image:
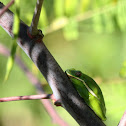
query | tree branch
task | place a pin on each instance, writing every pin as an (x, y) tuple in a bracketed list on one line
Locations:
[(60, 84), (34, 81)]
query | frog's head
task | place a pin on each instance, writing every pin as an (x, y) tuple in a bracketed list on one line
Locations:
[(74, 73)]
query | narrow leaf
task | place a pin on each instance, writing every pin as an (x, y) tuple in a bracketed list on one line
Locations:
[(71, 31), (10, 61), (16, 26), (59, 8), (71, 7), (122, 72)]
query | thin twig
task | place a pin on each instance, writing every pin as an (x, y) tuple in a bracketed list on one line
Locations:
[(27, 97), (33, 28), (6, 7)]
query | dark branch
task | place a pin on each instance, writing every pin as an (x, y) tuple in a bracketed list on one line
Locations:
[(60, 84)]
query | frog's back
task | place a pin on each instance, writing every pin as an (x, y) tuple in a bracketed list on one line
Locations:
[(92, 85), (96, 89)]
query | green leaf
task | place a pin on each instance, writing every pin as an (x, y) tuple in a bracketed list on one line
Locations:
[(43, 18), (70, 31), (71, 7), (10, 61), (16, 27), (59, 8), (109, 23), (84, 4), (98, 24), (122, 72), (121, 15)]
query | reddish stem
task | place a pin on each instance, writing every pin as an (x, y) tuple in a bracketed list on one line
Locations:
[(27, 97)]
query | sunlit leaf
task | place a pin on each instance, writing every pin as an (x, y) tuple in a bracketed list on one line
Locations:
[(122, 72), (43, 21), (84, 4), (121, 14), (98, 18), (16, 27), (70, 31), (10, 61), (98, 24), (71, 7), (109, 22), (59, 8)]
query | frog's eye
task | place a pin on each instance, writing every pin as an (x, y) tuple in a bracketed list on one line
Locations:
[(78, 73)]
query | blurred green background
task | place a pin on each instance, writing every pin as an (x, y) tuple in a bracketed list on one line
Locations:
[(88, 35)]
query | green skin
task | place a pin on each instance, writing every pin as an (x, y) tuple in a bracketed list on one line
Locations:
[(89, 91)]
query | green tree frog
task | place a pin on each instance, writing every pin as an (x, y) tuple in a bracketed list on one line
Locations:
[(89, 91)]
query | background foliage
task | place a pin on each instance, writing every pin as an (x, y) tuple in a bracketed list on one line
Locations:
[(88, 35)]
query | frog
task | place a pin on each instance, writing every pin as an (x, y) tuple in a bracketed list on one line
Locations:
[(89, 91)]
